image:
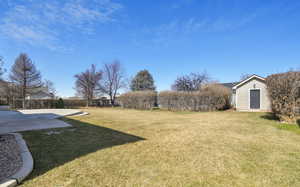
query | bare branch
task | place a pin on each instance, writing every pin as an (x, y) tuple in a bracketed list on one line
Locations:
[(2, 70), (113, 80), (49, 85), (87, 83), (191, 82), (25, 75)]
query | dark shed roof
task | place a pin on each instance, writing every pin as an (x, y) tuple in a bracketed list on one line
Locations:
[(230, 85)]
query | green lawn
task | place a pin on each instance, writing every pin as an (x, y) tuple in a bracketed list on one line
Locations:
[(118, 147)]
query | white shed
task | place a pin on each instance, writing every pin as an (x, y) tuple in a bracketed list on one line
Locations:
[(251, 95)]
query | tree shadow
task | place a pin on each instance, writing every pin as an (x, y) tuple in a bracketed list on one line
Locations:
[(54, 147), (270, 116)]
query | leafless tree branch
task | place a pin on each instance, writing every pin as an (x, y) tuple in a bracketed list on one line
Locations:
[(87, 83), (113, 80)]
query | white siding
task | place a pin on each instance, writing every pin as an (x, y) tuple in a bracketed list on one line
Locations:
[(233, 99), (243, 95)]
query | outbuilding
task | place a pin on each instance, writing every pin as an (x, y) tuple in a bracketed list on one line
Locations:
[(250, 94)]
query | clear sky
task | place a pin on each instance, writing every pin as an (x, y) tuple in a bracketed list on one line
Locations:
[(226, 38)]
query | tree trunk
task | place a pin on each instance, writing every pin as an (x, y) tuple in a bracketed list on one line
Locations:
[(112, 101), (87, 103), (23, 103), (24, 91)]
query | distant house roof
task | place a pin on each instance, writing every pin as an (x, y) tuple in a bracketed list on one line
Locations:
[(41, 95), (230, 85)]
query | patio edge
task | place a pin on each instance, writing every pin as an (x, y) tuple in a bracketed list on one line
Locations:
[(27, 164)]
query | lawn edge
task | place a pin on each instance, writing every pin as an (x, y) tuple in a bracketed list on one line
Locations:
[(27, 164)]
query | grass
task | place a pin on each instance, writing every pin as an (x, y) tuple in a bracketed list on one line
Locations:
[(290, 127), (118, 147), (293, 128)]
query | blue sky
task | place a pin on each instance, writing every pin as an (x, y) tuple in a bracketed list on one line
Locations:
[(226, 38)]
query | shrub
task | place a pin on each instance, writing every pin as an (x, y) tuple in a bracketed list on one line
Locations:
[(283, 92), (74, 103), (60, 103), (210, 97), (220, 95), (144, 100)]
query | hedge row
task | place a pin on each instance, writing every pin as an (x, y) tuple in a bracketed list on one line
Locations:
[(211, 97), (56, 103), (33, 104), (144, 100), (284, 93), (3, 101)]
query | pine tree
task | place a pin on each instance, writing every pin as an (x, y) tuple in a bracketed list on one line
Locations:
[(143, 81)]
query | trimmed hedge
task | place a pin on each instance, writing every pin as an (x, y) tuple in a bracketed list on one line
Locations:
[(54, 103), (284, 91), (209, 98), (60, 103), (3, 101), (144, 100), (74, 103), (33, 104)]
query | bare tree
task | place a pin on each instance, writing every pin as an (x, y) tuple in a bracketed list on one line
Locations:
[(2, 70), (2, 89), (113, 80), (3, 84), (191, 82), (12, 92), (25, 75), (87, 84), (245, 76), (49, 85)]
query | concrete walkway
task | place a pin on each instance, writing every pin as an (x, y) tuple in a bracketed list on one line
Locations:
[(24, 120)]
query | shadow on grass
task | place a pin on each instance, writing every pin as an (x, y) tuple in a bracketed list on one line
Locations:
[(67, 144), (283, 126), (270, 116)]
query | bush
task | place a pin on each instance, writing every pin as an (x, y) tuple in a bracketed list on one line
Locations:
[(60, 103), (144, 100), (220, 95), (284, 91), (74, 103), (211, 97)]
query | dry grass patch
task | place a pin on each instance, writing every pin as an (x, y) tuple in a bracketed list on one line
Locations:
[(118, 147)]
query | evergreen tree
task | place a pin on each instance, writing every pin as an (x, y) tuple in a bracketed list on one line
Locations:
[(142, 81)]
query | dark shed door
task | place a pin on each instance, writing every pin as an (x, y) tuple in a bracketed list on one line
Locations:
[(255, 99)]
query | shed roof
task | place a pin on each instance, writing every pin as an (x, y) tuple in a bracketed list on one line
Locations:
[(248, 79)]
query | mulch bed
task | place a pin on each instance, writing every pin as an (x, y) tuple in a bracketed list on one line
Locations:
[(10, 158)]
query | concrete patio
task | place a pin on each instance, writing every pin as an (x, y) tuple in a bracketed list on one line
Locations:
[(25, 120)]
